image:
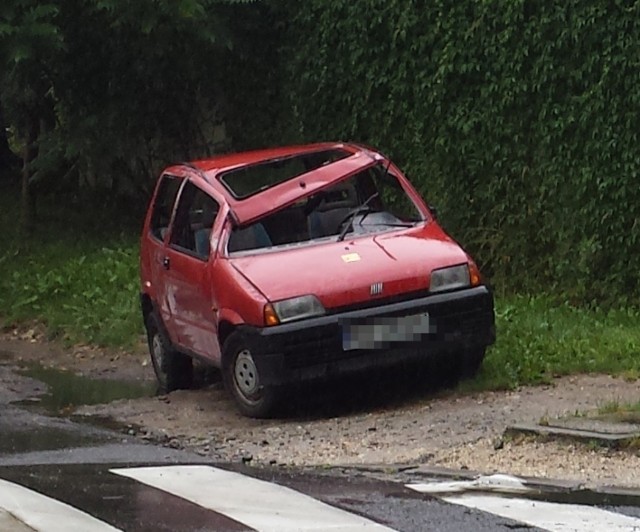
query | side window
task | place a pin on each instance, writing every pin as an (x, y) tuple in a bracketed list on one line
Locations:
[(194, 219), (163, 206)]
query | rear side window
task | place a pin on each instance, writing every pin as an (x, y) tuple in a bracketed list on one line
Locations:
[(163, 207), (193, 222)]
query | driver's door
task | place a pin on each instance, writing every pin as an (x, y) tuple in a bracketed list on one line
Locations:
[(187, 286)]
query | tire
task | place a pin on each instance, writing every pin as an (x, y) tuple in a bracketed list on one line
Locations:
[(174, 370), (242, 379), (471, 362)]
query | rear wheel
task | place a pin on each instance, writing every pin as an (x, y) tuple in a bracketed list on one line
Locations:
[(242, 377), (174, 370)]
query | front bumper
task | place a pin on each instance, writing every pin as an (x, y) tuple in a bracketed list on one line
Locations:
[(313, 348)]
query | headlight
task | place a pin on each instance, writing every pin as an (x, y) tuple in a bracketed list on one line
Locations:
[(450, 278), (295, 308)]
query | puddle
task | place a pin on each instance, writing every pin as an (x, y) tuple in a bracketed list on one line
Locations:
[(67, 390), (44, 439)]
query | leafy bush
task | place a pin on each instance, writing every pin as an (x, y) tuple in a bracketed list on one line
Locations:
[(108, 92), (517, 118)]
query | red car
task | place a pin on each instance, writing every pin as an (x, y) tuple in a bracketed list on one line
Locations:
[(296, 263)]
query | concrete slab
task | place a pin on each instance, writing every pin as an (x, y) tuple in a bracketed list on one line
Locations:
[(588, 434), (601, 425)]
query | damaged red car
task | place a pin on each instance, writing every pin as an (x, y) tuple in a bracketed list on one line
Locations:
[(291, 264)]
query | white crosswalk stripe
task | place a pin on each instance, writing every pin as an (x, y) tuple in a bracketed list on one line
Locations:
[(25, 509), (548, 515), (264, 506), (269, 507), (554, 517)]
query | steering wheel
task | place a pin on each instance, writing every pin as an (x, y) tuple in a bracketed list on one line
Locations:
[(350, 216)]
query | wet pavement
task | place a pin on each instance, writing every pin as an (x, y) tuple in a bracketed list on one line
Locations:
[(43, 449), (35, 426), (132, 506)]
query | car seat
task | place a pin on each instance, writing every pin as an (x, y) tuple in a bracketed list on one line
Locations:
[(254, 236), (202, 236)]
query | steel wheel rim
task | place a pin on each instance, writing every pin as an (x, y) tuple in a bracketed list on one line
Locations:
[(246, 374)]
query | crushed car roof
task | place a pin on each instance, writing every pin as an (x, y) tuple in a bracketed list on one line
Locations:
[(259, 182)]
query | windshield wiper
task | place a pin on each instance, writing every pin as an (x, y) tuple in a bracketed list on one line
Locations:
[(348, 219)]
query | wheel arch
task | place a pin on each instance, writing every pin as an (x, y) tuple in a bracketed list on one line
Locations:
[(228, 322), (225, 329), (146, 305), (150, 308)]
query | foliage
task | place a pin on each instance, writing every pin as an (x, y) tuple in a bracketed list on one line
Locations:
[(129, 87), (517, 118)]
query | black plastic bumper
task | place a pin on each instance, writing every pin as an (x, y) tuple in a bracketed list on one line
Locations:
[(313, 348)]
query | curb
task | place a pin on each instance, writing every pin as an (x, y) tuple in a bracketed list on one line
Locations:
[(550, 490)]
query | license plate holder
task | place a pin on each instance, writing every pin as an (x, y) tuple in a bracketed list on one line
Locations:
[(382, 332)]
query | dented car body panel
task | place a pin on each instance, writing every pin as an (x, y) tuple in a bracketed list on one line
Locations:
[(294, 263)]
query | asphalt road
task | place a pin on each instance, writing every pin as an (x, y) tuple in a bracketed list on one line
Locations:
[(57, 474)]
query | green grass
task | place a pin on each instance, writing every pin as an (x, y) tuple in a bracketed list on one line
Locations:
[(81, 280), (539, 339), (82, 293), (613, 407), (620, 411)]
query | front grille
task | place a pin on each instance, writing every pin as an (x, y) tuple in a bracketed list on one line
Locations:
[(379, 301)]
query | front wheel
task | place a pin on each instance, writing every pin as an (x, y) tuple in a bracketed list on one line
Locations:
[(242, 378)]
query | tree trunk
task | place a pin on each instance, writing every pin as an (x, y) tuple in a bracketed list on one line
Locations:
[(8, 159), (28, 154)]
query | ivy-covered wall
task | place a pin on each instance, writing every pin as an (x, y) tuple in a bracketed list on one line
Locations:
[(518, 119)]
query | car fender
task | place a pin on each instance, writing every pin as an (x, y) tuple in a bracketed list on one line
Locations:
[(230, 316)]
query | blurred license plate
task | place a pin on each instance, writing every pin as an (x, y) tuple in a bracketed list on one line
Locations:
[(381, 332)]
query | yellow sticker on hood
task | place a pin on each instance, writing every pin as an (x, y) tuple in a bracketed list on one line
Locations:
[(351, 257)]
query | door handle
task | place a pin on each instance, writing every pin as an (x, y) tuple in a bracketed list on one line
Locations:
[(166, 263)]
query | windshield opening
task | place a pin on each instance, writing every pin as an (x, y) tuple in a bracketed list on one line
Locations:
[(249, 180), (370, 201)]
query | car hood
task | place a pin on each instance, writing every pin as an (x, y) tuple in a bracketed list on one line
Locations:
[(342, 273)]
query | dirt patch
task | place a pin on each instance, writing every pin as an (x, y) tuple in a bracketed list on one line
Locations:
[(376, 423), (29, 346)]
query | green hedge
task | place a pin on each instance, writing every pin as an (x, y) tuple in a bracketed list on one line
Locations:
[(517, 118)]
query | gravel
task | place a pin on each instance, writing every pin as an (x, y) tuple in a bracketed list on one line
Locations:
[(387, 425), (455, 431)]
